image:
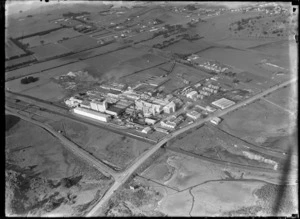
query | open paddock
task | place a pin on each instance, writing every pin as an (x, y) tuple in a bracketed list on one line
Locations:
[(183, 179), (217, 28), (113, 148), (11, 49), (190, 74), (141, 76), (44, 77), (29, 25), (49, 50), (244, 43), (285, 97), (258, 121), (281, 52), (79, 43), (44, 165), (186, 47), (19, 61), (218, 198), (39, 67), (51, 37), (121, 63), (245, 60)]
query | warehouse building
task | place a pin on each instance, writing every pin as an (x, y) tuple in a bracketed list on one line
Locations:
[(194, 115), (147, 130), (223, 103), (92, 114), (100, 106), (150, 121), (114, 111), (74, 101), (85, 104), (192, 94), (215, 120), (148, 107), (170, 107)]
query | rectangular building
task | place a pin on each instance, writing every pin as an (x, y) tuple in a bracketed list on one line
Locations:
[(150, 121), (170, 107), (92, 114), (223, 103), (194, 115), (215, 120), (192, 94)]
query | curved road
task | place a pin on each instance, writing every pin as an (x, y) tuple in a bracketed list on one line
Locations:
[(122, 178)]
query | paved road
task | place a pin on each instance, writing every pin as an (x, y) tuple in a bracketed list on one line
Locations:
[(70, 145), (122, 178)]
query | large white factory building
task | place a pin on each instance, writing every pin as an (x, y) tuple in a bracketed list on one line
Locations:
[(92, 114)]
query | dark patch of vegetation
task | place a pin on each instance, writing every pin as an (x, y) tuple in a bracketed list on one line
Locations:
[(69, 182), (29, 79), (190, 8), (10, 121), (244, 211), (269, 194), (71, 14)]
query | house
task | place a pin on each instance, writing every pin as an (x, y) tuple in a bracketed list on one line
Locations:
[(215, 120), (147, 130)]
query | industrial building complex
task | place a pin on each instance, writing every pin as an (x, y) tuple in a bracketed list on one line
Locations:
[(146, 108)]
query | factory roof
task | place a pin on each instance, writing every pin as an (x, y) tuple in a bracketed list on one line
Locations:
[(223, 103)]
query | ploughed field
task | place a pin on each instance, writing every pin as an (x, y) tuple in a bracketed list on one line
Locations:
[(43, 178)]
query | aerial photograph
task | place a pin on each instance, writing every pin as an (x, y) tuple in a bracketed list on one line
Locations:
[(154, 109)]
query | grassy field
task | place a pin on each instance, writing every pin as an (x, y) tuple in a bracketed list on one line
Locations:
[(285, 97), (245, 60), (196, 187), (282, 52), (79, 43), (216, 198), (49, 50), (61, 61), (43, 178), (28, 25), (51, 37), (19, 60), (223, 147), (259, 121), (190, 74), (44, 88), (121, 63), (116, 149), (12, 49), (189, 47), (244, 43)]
